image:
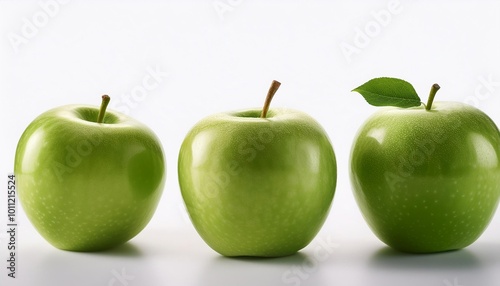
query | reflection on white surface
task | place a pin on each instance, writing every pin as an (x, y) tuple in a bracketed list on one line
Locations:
[(180, 257)]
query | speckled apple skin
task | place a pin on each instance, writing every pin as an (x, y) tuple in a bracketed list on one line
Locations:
[(87, 186), (257, 187), (427, 181)]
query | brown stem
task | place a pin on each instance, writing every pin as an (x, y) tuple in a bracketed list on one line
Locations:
[(272, 90), (102, 110)]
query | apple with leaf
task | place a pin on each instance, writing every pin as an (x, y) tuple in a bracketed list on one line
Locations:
[(425, 176)]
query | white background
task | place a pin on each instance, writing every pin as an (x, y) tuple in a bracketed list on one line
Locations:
[(212, 56)]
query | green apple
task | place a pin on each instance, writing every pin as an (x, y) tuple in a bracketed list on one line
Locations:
[(427, 178), (257, 183), (88, 183)]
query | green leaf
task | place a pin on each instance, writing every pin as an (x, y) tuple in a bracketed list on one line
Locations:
[(387, 91)]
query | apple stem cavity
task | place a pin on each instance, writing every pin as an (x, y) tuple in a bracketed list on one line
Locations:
[(272, 90), (435, 87), (102, 110)]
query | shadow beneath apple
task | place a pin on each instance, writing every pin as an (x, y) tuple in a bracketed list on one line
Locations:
[(489, 252), (457, 259), (128, 249), (285, 260), (52, 266), (242, 271), (390, 267)]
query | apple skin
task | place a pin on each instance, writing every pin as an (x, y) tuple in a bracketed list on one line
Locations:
[(427, 181), (88, 186), (257, 187)]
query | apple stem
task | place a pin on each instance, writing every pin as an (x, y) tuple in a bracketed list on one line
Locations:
[(272, 90), (102, 110), (435, 87)]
